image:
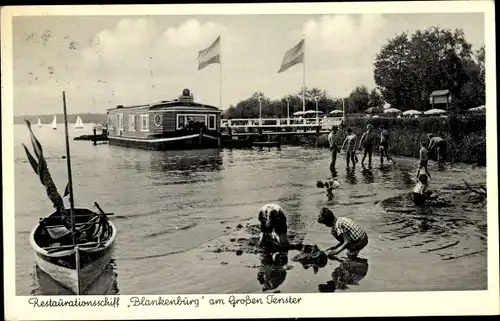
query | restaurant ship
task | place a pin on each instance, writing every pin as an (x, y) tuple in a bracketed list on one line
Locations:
[(168, 125)]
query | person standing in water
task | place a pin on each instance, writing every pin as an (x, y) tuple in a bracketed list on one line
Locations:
[(385, 142), (424, 160), (351, 147), (332, 141), (437, 143), (367, 141)]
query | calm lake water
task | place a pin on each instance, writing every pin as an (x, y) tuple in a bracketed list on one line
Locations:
[(173, 208)]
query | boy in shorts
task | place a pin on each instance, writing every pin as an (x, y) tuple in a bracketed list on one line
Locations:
[(367, 141), (351, 147), (424, 160), (437, 143)]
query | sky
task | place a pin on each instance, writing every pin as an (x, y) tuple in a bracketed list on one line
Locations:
[(104, 61)]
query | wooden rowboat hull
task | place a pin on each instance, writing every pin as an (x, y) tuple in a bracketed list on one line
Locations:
[(62, 268), (68, 277), (105, 284)]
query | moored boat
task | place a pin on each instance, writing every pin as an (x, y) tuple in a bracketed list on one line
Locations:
[(97, 137), (72, 245), (56, 255), (168, 125)]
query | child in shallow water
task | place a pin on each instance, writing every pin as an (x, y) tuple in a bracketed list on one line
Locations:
[(350, 143), (329, 186), (420, 193)]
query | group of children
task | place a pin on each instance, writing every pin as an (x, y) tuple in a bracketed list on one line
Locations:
[(420, 193), (348, 233), (367, 142)]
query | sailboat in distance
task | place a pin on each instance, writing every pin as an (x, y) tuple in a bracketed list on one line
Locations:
[(39, 124), (79, 123), (54, 123)]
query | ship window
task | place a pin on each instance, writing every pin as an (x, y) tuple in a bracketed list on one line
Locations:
[(119, 120), (181, 121), (184, 119), (145, 123), (211, 122), (110, 122), (131, 123)]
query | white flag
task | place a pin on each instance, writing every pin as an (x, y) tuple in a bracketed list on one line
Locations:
[(293, 56), (209, 55)]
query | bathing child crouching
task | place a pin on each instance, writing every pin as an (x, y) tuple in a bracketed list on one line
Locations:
[(349, 233), (420, 193)]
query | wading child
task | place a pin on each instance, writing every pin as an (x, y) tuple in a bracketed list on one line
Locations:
[(367, 141), (351, 147), (332, 141), (329, 186), (273, 227), (384, 145), (437, 143), (420, 193), (424, 160), (349, 234)]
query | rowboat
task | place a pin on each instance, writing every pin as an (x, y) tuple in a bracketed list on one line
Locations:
[(56, 255), (105, 284), (72, 245)]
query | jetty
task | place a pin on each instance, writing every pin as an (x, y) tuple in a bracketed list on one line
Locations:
[(267, 132)]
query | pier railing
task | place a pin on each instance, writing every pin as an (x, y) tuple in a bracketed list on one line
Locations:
[(303, 123)]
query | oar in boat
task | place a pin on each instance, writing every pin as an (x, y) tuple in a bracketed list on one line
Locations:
[(68, 247)]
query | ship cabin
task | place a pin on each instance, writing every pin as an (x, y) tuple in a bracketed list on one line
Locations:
[(177, 124)]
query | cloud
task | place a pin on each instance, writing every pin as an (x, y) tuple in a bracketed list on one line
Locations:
[(139, 47), (334, 42), (192, 33), (343, 34)]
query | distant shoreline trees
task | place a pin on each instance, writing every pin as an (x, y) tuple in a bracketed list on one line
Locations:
[(407, 70)]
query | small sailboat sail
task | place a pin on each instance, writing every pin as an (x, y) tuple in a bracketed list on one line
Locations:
[(39, 124), (54, 123), (79, 123)]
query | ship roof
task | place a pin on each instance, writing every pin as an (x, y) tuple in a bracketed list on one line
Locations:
[(166, 104)]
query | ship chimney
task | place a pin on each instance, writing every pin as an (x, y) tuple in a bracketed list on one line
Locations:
[(186, 96)]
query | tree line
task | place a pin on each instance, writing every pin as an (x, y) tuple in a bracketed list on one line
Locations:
[(407, 70)]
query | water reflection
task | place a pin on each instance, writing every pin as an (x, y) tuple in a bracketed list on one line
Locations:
[(272, 272), (186, 160), (350, 176), (105, 284), (403, 178), (293, 213), (349, 272), (368, 177)]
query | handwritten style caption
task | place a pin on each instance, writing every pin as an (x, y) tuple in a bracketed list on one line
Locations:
[(143, 301)]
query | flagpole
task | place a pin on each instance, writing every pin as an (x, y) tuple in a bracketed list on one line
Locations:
[(220, 75), (304, 79), (71, 199)]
